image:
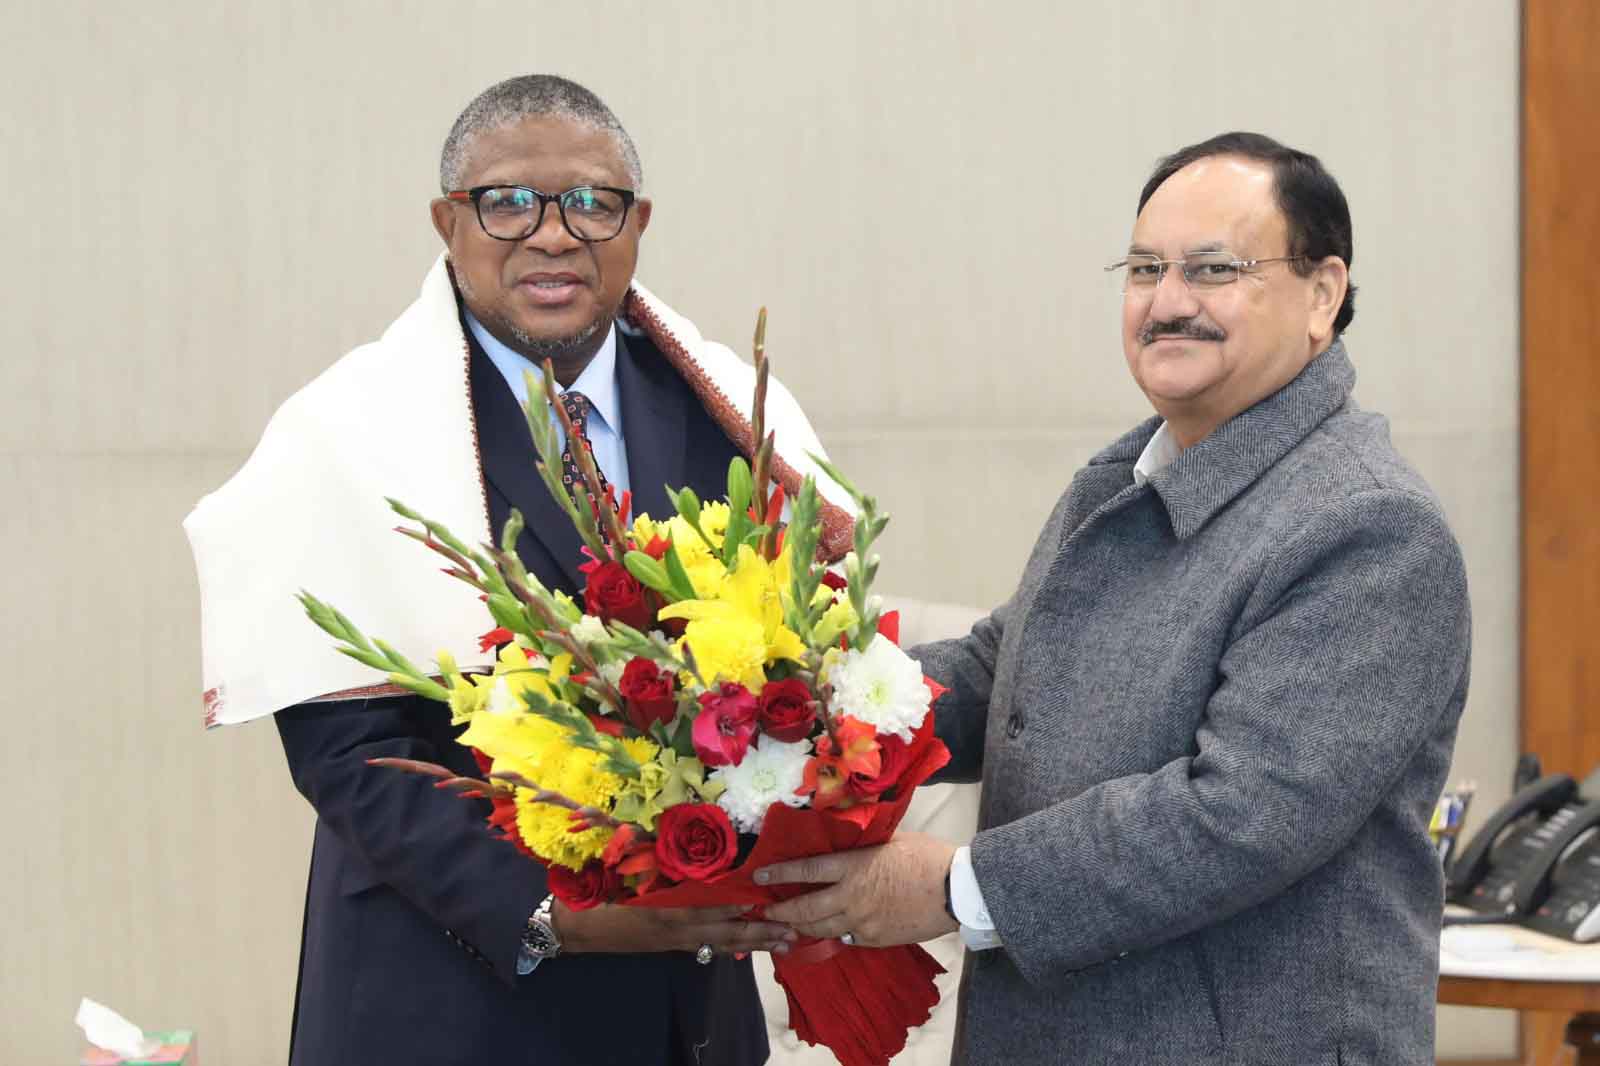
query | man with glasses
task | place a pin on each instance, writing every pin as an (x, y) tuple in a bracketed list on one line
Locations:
[(426, 939), (1212, 721)]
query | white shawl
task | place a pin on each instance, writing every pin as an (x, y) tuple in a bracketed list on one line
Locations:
[(394, 418)]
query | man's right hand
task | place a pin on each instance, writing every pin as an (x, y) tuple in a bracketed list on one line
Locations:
[(628, 930)]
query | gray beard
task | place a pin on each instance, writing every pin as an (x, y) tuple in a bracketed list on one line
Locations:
[(552, 347), (535, 348)]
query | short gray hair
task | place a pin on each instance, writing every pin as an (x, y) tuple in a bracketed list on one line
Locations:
[(529, 96)]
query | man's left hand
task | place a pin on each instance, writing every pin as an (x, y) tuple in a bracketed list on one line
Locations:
[(892, 894)]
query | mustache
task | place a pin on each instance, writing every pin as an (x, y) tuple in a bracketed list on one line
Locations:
[(1190, 327)]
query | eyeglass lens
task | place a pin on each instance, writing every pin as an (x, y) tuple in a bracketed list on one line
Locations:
[(511, 212), (1203, 269)]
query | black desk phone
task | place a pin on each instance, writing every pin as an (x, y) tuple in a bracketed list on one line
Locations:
[(1536, 862)]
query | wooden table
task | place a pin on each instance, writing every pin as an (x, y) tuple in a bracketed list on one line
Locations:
[(1575, 993), (1581, 999)]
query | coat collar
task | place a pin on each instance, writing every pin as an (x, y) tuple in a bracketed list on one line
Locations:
[(1208, 476), (655, 427), (505, 448)]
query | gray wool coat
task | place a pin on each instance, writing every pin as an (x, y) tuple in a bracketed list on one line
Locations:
[(1210, 726)]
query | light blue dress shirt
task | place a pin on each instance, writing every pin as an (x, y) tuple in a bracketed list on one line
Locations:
[(598, 382)]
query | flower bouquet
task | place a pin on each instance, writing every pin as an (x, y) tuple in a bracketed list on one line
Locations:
[(720, 701)]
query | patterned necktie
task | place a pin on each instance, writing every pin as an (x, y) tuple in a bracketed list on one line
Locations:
[(578, 408)]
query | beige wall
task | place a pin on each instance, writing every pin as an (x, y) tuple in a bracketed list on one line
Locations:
[(206, 203)]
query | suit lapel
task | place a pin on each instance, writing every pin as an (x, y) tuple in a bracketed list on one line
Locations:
[(654, 426), (549, 545)]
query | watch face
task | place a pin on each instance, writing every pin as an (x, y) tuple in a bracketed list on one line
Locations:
[(540, 940)]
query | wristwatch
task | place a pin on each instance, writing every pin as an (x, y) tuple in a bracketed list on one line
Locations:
[(540, 940)]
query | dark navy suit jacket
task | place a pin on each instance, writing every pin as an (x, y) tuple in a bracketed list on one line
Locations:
[(414, 911)]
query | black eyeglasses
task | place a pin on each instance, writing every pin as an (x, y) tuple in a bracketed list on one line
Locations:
[(591, 213)]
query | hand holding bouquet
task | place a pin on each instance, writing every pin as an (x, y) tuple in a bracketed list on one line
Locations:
[(718, 702)]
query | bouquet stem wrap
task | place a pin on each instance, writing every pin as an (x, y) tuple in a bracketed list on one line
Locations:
[(859, 1002)]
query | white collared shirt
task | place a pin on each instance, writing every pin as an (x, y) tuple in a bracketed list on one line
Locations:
[(598, 382), (1161, 451), (966, 898)]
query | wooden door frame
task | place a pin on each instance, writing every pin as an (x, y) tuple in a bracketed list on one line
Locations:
[(1559, 686)]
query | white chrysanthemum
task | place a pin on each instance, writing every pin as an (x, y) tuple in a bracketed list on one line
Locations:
[(590, 629), (770, 772), (882, 687), (612, 671)]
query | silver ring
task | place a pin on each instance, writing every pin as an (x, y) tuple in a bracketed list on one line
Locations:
[(704, 955), (848, 940)]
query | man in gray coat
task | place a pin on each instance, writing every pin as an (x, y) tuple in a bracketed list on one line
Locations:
[(1213, 719)]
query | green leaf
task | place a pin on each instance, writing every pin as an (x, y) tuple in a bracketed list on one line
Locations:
[(348, 630), (422, 686), (734, 536), (837, 477), (402, 510), (649, 573), (687, 504), (365, 658), (741, 487), (683, 737), (511, 531), (682, 587), (398, 660), (507, 612)]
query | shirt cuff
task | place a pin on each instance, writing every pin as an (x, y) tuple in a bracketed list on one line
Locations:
[(966, 900)]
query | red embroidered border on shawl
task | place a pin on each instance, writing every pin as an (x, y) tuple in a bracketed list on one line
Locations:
[(838, 528), (213, 698)]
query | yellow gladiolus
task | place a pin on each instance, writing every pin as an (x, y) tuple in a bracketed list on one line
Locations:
[(736, 635)]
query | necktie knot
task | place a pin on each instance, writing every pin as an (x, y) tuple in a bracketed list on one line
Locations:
[(578, 408)]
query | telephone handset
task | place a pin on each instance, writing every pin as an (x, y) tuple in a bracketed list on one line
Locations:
[(1536, 861), (1543, 797)]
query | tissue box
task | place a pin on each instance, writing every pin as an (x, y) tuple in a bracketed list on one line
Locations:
[(179, 1047)]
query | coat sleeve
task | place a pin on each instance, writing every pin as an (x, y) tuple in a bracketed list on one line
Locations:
[(429, 845), (1349, 658), (966, 667)]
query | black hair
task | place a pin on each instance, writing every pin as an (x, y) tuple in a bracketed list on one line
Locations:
[(1312, 203)]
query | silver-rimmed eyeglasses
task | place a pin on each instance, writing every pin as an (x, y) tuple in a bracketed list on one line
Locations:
[(1201, 270), (590, 213)]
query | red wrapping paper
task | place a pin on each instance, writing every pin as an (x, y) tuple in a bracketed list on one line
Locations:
[(859, 1002)]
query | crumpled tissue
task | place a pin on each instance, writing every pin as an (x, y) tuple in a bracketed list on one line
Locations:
[(107, 1029)]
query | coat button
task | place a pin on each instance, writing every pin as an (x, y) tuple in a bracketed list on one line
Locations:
[(1014, 726)]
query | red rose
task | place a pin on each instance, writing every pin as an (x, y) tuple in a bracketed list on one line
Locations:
[(695, 841), (787, 710), (896, 756), (648, 691), (834, 581), (612, 594), (588, 887), (725, 725)]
